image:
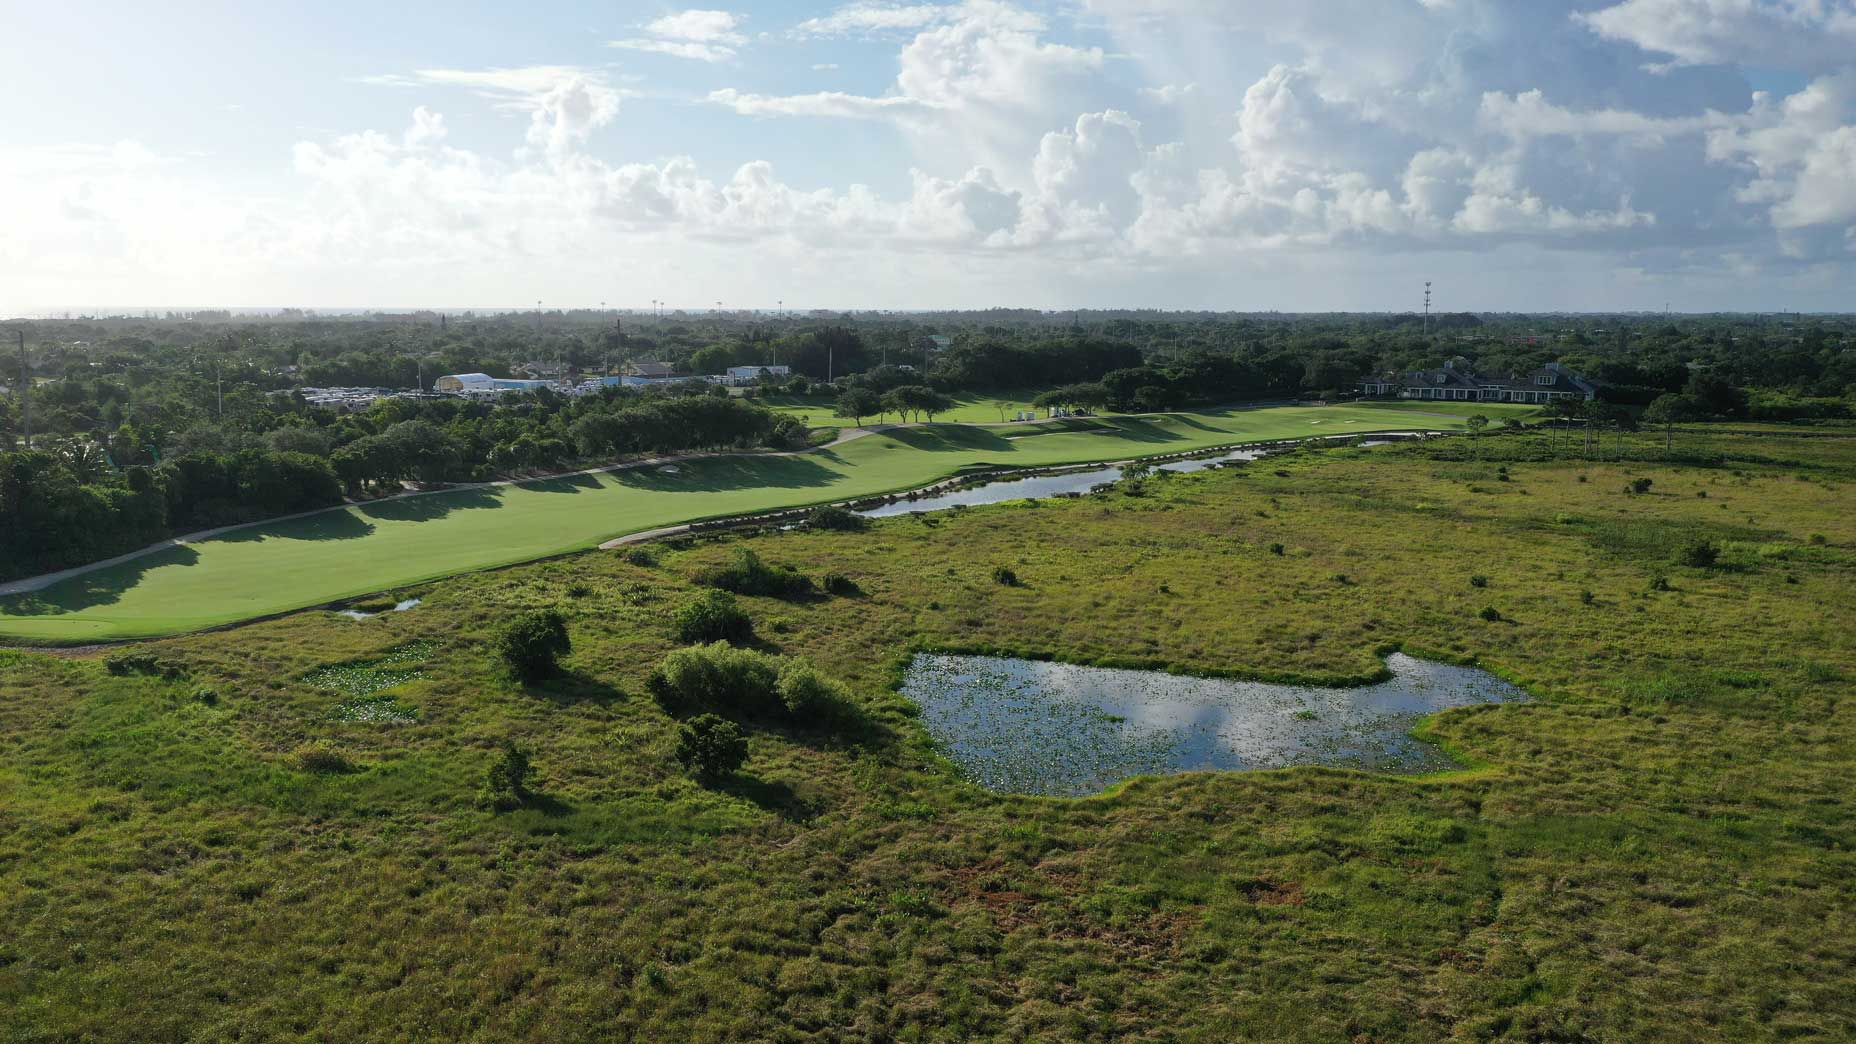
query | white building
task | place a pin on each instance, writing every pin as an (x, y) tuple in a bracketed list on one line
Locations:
[(751, 373)]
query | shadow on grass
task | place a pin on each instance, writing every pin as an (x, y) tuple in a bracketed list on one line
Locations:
[(571, 687), (772, 796), (563, 484), (949, 438), (336, 524), (731, 473), (98, 587), (432, 506), (1137, 430)]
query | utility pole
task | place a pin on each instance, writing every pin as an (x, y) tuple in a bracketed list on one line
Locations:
[(25, 385), (219, 389), (1427, 308)]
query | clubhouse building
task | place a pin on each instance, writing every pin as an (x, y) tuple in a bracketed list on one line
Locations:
[(1455, 382)]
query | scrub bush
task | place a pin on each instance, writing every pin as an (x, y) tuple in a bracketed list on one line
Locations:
[(711, 747), (746, 574), (531, 643), (713, 617), (321, 757), (837, 519), (505, 785)]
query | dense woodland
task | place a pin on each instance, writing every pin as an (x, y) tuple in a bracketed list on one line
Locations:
[(145, 427)]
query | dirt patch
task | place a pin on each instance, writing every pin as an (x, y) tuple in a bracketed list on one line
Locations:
[(1265, 891)]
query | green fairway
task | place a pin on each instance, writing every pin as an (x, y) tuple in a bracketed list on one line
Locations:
[(969, 408), (346, 552)]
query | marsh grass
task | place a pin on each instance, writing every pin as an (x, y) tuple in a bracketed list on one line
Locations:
[(1657, 849)]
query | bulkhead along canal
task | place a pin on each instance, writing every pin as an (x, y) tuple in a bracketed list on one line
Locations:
[(1054, 729)]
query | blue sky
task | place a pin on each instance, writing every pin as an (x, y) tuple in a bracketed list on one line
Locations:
[(1292, 154)]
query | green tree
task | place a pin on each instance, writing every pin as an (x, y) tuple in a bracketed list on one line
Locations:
[(1670, 410), (1476, 424), (711, 747), (531, 643), (505, 785), (858, 403)]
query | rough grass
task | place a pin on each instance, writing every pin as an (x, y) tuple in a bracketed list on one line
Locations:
[(1660, 849), (347, 552)]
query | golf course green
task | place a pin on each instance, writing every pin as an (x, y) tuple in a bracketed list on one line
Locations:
[(345, 552)]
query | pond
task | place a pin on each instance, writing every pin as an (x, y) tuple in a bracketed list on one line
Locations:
[(1039, 487), (1029, 727)]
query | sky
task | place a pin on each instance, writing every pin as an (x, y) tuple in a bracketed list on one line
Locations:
[(1301, 155)]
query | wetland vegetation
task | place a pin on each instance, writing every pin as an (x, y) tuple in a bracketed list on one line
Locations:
[(1656, 847)]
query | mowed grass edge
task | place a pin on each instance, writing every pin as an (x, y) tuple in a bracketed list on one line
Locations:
[(349, 552)]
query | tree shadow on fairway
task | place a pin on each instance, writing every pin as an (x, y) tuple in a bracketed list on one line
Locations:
[(97, 587), (432, 506), (1193, 422), (949, 438), (729, 473), (1135, 429), (563, 484), (335, 524)]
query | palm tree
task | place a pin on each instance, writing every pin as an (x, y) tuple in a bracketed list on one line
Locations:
[(86, 461)]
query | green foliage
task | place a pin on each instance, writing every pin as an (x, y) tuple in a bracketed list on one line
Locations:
[(837, 519), (713, 616), (530, 644), (1639, 485), (1624, 815), (1699, 554), (710, 747), (506, 782), (1478, 580), (746, 574), (717, 677), (1491, 614), (640, 555), (321, 757), (840, 585), (121, 664), (722, 679), (1004, 576), (808, 695)]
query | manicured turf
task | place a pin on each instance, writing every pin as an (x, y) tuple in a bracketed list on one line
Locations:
[(817, 411), (1657, 850), (346, 552)]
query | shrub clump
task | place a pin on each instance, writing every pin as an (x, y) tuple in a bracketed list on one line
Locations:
[(1277, 549), (714, 617), (124, 664), (711, 747), (1004, 576), (505, 785), (808, 695), (835, 518), (531, 643), (1491, 614), (1478, 581), (718, 678), (1700, 554), (840, 585), (715, 677), (746, 574), (321, 756), (1638, 486), (639, 555)]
